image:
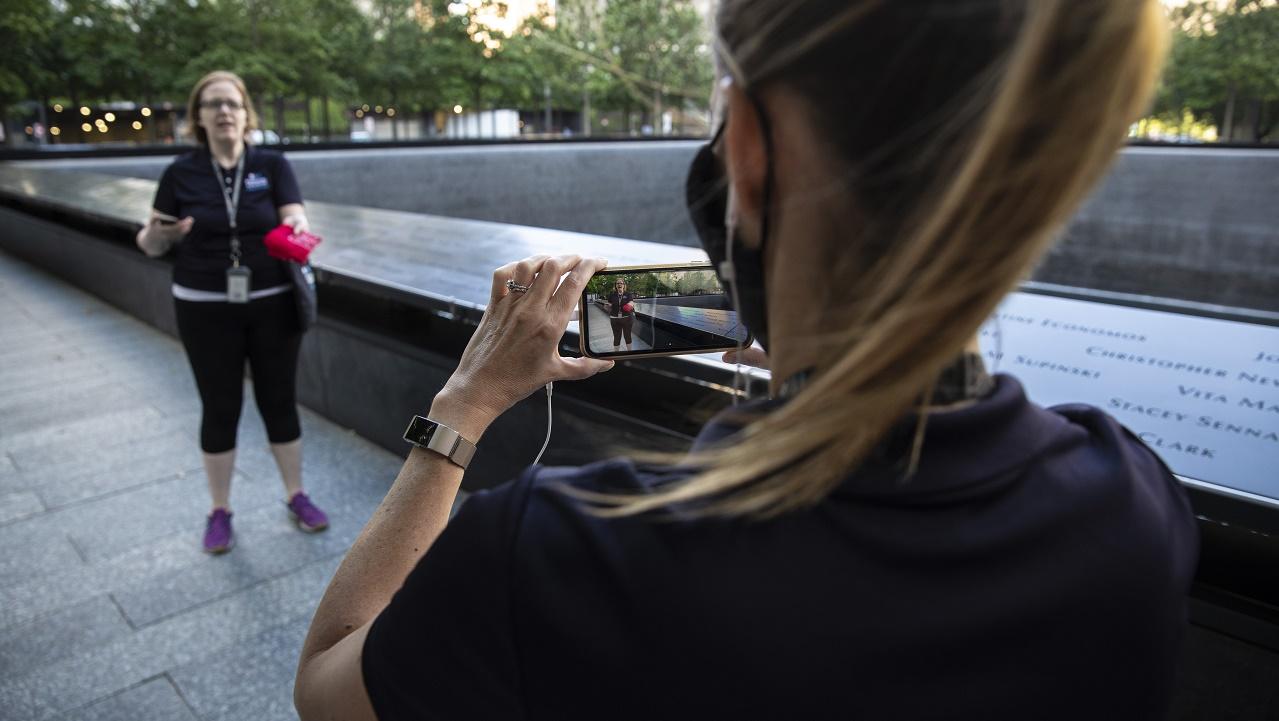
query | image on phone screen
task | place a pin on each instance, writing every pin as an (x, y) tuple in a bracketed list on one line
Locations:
[(658, 310)]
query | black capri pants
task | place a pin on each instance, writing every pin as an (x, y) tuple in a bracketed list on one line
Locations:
[(622, 326), (218, 338)]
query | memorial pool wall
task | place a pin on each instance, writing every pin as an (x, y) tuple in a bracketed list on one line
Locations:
[(1193, 224)]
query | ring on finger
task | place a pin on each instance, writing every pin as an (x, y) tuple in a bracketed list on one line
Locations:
[(514, 287)]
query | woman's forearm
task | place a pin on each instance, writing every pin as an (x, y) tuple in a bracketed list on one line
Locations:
[(152, 246), (410, 518)]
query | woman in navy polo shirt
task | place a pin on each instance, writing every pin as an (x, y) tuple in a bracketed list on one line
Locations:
[(896, 535), (621, 314), (233, 301)]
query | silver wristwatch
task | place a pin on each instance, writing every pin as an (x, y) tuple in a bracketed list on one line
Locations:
[(437, 437)]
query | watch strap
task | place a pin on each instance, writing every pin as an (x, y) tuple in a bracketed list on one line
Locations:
[(435, 436)]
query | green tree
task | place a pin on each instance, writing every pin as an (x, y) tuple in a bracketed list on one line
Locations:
[(658, 50), (1224, 67), (25, 27)]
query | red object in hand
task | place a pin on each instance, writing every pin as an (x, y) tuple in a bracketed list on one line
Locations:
[(285, 243), (628, 308)]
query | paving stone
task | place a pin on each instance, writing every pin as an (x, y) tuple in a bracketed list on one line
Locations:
[(88, 447), (267, 546), (230, 622), (80, 460), (66, 406), (14, 506), (26, 376), (38, 357), (63, 633), (109, 526), (261, 671), (65, 484), (54, 588), (35, 337), (153, 700), (19, 327), (153, 511), (86, 430), (65, 388), (43, 550)]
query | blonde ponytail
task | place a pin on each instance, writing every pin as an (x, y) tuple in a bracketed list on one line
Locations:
[(1043, 130)]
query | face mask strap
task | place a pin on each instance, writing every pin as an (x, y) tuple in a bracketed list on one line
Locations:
[(728, 271)]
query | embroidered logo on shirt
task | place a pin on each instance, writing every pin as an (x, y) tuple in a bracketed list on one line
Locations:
[(254, 182)]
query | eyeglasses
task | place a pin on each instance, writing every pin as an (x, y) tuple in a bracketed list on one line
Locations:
[(231, 105)]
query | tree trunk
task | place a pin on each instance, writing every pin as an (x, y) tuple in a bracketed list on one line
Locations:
[(153, 134), (75, 106), (279, 117), (657, 111), (586, 111), (546, 92), (44, 120), (308, 118), (325, 119), (1252, 121), (1266, 122), (1228, 125)]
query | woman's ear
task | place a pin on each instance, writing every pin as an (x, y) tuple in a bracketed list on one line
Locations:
[(745, 156)]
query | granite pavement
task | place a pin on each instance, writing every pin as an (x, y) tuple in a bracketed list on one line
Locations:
[(108, 608)]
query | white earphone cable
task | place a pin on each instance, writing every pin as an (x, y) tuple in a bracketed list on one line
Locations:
[(550, 419)]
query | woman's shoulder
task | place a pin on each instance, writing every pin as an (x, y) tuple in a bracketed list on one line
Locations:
[(1105, 434), (267, 156), (552, 502), (568, 486), (194, 157), (1120, 473)]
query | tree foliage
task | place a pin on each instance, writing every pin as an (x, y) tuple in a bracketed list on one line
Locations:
[(415, 55), (1224, 68)]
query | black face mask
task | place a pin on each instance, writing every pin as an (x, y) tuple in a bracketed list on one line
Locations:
[(706, 194)]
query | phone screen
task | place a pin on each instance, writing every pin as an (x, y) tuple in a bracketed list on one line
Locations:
[(658, 310)]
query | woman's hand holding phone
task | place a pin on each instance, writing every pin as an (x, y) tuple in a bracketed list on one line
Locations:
[(750, 356), (515, 349), (162, 231)]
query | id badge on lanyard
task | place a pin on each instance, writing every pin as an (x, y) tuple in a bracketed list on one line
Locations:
[(239, 279)]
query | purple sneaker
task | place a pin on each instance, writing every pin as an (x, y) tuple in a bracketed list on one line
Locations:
[(306, 515), (217, 534)]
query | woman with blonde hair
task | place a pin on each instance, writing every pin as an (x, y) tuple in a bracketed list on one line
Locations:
[(896, 534), (233, 301)]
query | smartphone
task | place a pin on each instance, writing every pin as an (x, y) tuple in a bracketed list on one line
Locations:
[(657, 310), (163, 219)]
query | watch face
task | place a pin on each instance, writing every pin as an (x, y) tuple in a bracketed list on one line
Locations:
[(420, 431)]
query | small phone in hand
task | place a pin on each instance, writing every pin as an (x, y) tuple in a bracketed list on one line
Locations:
[(165, 220), (657, 310)]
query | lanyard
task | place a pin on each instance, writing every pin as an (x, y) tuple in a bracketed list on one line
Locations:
[(232, 198)]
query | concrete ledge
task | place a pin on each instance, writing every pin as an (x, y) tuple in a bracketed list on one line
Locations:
[(1194, 224)]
